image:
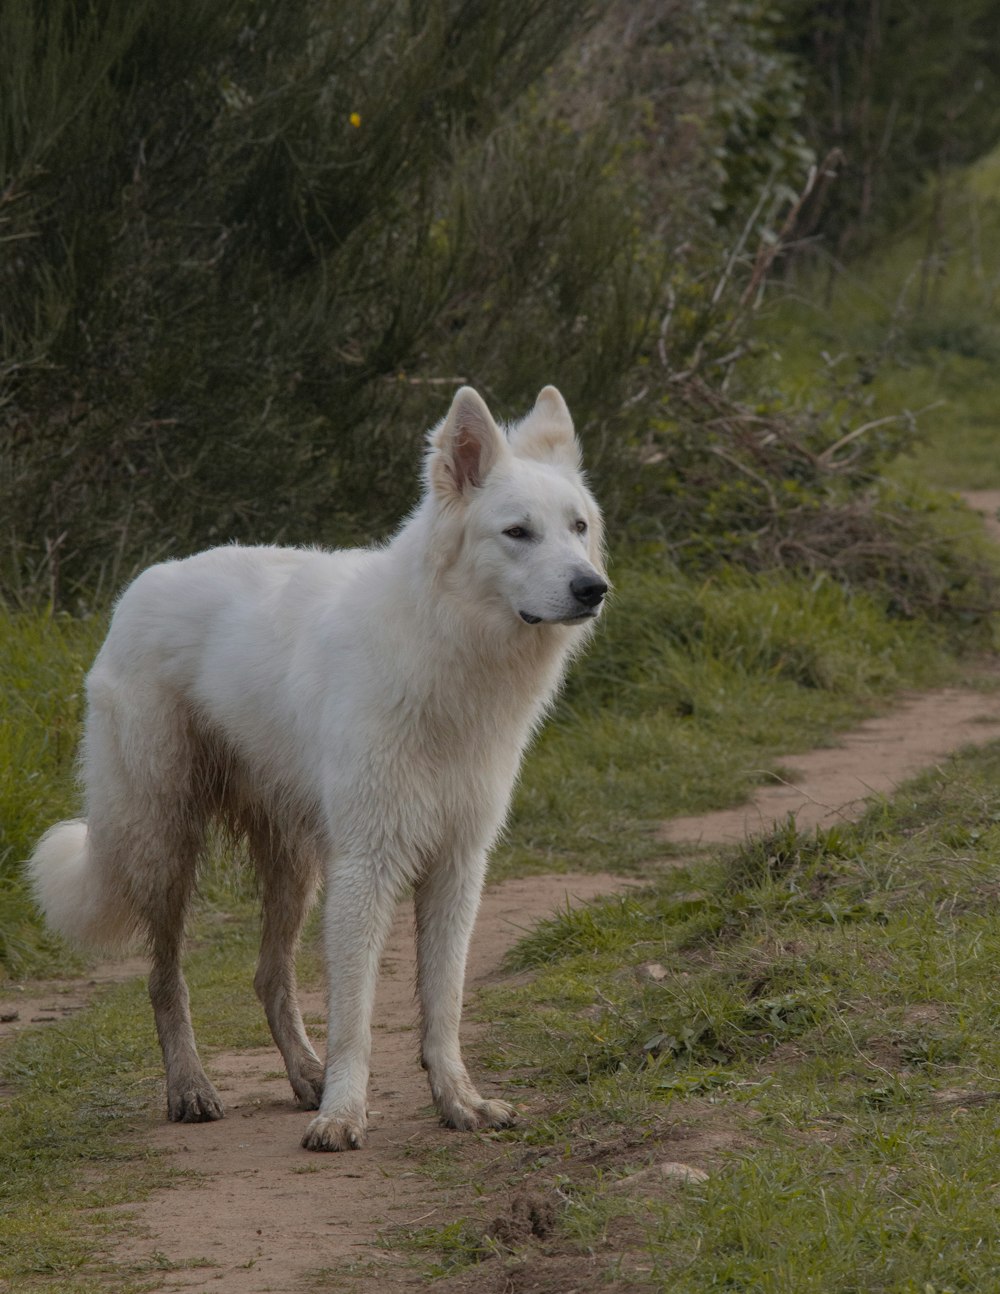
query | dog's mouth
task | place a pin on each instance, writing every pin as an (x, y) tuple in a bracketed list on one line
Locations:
[(589, 614)]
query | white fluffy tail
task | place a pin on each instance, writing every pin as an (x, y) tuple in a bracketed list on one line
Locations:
[(72, 893)]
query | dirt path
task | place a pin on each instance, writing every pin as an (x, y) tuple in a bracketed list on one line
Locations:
[(823, 787), (266, 1214)]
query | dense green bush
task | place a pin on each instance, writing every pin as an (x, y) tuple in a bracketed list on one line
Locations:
[(248, 252)]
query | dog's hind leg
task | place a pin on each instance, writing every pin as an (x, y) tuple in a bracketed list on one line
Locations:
[(191, 1098), (146, 816), (289, 879), (446, 902), (164, 889)]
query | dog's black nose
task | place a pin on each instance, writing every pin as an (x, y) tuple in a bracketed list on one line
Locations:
[(588, 590)]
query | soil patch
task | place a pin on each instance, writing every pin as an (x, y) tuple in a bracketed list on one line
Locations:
[(822, 787), (262, 1213), (987, 504), (36, 1003)]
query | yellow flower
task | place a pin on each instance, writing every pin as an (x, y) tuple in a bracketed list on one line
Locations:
[(355, 118)]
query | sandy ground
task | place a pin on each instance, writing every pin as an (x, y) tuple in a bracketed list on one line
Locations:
[(253, 1212)]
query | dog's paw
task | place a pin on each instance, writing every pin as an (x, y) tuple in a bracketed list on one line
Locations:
[(475, 1115), (308, 1086), (201, 1104), (330, 1132)]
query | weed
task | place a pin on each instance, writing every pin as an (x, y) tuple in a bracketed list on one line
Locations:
[(455, 1245)]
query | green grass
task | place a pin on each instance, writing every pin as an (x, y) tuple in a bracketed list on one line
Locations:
[(689, 694), (828, 1012), (43, 660), (913, 327)]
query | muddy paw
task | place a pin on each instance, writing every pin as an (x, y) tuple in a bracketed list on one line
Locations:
[(308, 1087), (195, 1105), (480, 1114), (333, 1133)]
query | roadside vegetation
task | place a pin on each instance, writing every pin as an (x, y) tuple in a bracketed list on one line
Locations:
[(912, 325), (243, 268), (43, 660), (807, 1024)]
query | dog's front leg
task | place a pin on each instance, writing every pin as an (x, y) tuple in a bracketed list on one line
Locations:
[(446, 902), (359, 908)]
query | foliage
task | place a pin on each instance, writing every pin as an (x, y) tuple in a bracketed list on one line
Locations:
[(230, 230), (904, 91), (912, 332), (248, 254)]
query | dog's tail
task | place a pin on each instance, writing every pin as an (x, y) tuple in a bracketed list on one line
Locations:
[(74, 894)]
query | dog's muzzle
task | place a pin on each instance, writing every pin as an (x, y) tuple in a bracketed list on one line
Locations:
[(588, 593)]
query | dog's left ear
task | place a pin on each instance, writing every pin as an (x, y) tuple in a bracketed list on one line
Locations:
[(547, 432), (465, 447)]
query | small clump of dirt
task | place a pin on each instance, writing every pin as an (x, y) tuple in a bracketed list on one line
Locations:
[(529, 1214)]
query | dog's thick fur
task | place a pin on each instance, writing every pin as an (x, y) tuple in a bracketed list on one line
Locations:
[(357, 715)]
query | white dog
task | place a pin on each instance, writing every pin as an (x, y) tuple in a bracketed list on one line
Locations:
[(359, 715)]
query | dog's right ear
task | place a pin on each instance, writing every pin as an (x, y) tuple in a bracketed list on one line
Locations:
[(546, 433), (465, 447)]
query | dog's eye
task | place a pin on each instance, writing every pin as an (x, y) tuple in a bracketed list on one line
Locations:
[(580, 526), (517, 532)]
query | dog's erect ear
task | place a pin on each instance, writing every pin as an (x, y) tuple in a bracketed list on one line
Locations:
[(466, 446), (547, 432), (550, 402)]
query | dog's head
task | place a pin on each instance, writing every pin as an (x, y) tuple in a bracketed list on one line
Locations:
[(530, 532)]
